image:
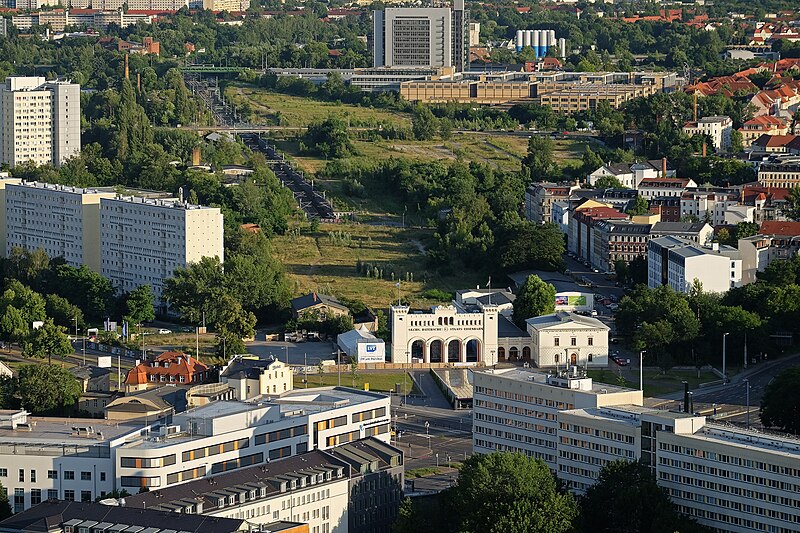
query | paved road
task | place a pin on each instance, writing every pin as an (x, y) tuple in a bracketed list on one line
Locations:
[(759, 376), (298, 353)]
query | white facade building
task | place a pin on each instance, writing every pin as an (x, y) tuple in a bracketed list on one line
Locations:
[(144, 240), (711, 205), (678, 263), (565, 338), (40, 121), (61, 220), (90, 457), (630, 175), (251, 377), (516, 410), (719, 128)]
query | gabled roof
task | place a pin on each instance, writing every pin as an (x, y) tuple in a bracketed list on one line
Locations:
[(248, 367), (773, 141), (678, 228), (780, 227), (313, 299), (167, 364), (87, 372)]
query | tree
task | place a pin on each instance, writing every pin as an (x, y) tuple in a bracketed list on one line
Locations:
[(139, 305), (780, 406), (330, 138), (13, 327), (525, 246), (524, 495), (47, 341), (737, 142), (189, 291), (640, 206), (534, 298), (792, 209), (354, 370), (608, 182), (423, 124), (540, 161), (133, 133), (626, 499), (63, 313), (47, 388), (232, 323)]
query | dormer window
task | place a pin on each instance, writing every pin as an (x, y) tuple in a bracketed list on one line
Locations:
[(252, 495), (221, 502), (262, 491), (231, 499)]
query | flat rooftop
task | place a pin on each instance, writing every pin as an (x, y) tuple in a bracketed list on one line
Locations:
[(54, 431), (749, 440), (530, 375), (457, 380)]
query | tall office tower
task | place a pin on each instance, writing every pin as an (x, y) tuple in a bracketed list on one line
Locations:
[(40, 120), (421, 37), (143, 240)]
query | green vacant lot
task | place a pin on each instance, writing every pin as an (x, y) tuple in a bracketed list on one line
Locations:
[(378, 381)]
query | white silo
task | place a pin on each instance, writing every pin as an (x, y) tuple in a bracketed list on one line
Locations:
[(562, 47), (519, 40), (537, 42), (551, 37), (528, 37)]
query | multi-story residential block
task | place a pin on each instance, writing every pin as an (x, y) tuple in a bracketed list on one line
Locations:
[(251, 377), (144, 240), (618, 240), (167, 367), (588, 96), (775, 240), (539, 198), (516, 410), (678, 263), (717, 128), (59, 19), (770, 202), (762, 125), (421, 37), (775, 144), (40, 121), (697, 232), (664, 187), (583, 225), (82, 517), (5, 180), (566, 338), (61, 220), (628, 174), (780, 171), (81, 459), (708, 204), (141, 5)]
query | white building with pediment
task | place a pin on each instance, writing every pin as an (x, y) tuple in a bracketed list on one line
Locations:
[(568, 339)]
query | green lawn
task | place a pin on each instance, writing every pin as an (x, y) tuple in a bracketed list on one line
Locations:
[(320, 262), (378, 381), (271, 108)]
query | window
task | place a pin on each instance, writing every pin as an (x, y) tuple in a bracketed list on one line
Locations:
[(52, 474), (102, 476), (52, 494), (69, 495), (573, 341), (22, 475), (36, 496), (33, 476), (86, 495), (556, 341), (3, 472), (19, 500), (69, 474), (86, 476), (591, 341)]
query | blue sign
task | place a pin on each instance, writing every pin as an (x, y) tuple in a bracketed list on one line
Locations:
[(371, 348)]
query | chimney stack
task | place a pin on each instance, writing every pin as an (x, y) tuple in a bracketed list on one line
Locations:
[(695, 106), (127, 70), (663, 167), (685, 396), (704, 149), (138, 82), (196, 156)]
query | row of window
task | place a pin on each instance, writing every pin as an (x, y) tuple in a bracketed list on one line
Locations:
[(52, 474)]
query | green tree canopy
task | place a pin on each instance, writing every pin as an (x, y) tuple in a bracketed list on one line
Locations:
[(529, 246), (44, 389), (509, 493), (640, 206), (47, 341), (540, 161), (534, 298), (139, 305), (626, 499), (608, 182), (780, 406)]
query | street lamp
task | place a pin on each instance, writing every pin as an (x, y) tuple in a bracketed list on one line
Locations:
[(724, 353), (641, 373), (747, 394)]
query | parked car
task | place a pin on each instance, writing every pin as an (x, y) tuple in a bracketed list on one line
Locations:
[(594, 312), (164, 331)]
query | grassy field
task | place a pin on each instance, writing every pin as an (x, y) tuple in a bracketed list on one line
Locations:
[(271, 108), (655, 382), (378, 381), (324, 263)]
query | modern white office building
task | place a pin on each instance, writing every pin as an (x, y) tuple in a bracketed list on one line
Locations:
[(731, 479), (63, 221), (143, 240), (421, 37), (678, 263), (40, 121), (85, 458), (516, 410)]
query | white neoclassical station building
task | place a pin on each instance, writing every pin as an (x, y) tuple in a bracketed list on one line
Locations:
[(478, 334)]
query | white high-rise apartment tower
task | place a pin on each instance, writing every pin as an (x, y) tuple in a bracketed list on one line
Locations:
[(40, 120), (143, 240)]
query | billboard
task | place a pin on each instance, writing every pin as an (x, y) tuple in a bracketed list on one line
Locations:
[(372, 352), (571, 300)]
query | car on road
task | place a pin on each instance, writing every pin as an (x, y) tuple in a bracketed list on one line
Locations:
[(619, 360), (594, 312), (613, 306), (164, 331)]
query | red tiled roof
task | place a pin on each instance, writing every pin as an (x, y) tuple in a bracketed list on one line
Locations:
[(187, 367), (771, 141), (780, 227)]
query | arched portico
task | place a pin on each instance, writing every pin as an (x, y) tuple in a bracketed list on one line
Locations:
[(472, 351), (436, 351)]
